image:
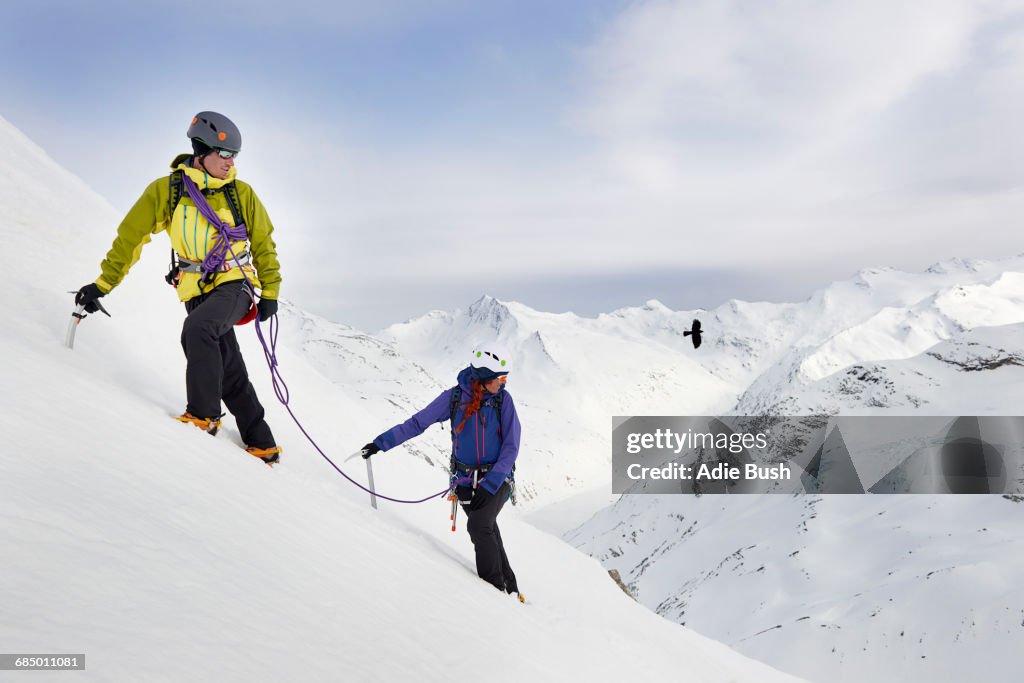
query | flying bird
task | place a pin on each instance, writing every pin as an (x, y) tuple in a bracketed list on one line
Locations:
[(695, 333)]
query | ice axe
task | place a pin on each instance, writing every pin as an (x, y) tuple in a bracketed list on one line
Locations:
[(369, 476), (694, 332), (77, 316)]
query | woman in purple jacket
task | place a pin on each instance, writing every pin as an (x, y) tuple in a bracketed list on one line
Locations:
[(485, 443)]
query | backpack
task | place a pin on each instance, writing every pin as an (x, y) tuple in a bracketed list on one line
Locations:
[(453, 407)]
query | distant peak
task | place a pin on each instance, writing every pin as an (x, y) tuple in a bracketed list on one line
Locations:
[(655, 305), (484, 300), (485, 304), (865, 275), (955, 265), (650, 306), (876, 270), (491, 312)]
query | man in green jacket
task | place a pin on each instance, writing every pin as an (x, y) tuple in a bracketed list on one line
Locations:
[(216, 294)]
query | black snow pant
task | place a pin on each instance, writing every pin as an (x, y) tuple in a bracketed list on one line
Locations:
[(214, 369), (482, 524)]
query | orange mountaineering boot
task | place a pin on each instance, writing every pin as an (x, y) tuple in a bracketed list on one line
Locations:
[(210, 425), (268, 455)]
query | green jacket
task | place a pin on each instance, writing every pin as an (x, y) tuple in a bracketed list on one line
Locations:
[(192, 236)]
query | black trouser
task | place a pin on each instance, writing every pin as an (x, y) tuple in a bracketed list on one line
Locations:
[(482, 524), (215, 369)]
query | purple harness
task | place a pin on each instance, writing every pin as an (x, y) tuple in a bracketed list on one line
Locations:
[(226, 234)]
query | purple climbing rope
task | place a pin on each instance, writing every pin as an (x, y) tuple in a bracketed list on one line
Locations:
[(283, 395), (226, 233)]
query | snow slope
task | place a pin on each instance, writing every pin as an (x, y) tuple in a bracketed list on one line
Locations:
[(831, 588), (165, 554)]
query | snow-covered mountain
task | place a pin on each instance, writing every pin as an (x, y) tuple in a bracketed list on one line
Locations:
[(849, 588), (888, 356), (973, 372), (167, 555), (757, 357)]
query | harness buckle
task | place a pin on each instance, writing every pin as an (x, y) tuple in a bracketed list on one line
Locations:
[(189, 266)]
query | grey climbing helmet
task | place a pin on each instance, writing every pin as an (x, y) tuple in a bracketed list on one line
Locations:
[(215, 131)]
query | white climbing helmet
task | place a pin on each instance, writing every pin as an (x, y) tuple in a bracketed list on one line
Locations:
[(490, 360)]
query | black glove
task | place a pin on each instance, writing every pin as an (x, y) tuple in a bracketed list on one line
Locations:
[(481, 497), (368, 450), (267, 308), (88, 296), (465, 494)]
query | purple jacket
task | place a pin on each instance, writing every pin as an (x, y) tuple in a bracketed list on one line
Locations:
[(486, 439)]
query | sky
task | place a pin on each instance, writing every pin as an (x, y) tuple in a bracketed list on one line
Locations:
[(576, 155)]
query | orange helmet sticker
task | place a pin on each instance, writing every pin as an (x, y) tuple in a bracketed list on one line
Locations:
[(194, 119), (222, 136)]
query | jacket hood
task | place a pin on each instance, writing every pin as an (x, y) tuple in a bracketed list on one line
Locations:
[(466, 382), (202, 179)]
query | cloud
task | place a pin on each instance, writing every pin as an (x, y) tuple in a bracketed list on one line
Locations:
[(680, 91), (673, 69), (771, 123)]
